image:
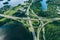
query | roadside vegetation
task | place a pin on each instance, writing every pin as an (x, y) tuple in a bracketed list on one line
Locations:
[(39, 24)]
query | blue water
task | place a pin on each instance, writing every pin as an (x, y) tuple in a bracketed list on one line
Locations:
[(44, 5), (12, 2), (16, 2)]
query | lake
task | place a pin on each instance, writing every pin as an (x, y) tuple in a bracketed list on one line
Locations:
[(12, 2), (43, 5)]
